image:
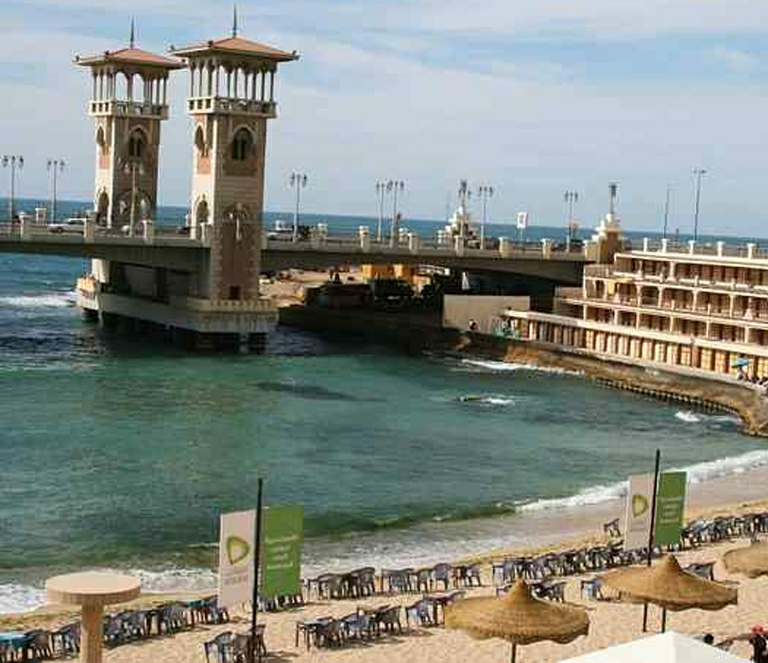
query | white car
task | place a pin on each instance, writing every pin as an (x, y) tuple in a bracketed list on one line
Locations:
[(68, 226)]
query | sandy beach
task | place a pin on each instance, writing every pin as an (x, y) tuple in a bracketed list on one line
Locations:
[(612, 622)]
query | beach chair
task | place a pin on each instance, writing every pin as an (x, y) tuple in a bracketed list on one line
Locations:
[(329, 634), (358, 625), (704, 570), (423, 579), (390, 619), (68, 637), (441, 573), (420, 612), (472, 575), (593, 589), (329, 586), (40, 643), (240, 645), (135, 624), (399, 580), (173, 617), (218, 650), (114, 633)]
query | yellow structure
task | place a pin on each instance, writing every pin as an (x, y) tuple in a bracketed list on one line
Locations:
[(698, 306)]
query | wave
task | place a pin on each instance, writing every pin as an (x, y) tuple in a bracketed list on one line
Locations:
[(20, 598), (48, 300), (493, 399), (687, 416), (486, 365), (697, 473)]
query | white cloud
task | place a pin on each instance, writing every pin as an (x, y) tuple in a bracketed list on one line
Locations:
[(735, 60)]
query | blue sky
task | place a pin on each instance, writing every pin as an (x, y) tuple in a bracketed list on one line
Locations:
[(531, 97)]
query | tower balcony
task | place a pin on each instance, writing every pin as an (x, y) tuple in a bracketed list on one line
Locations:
[(233, 106), (115, 108)]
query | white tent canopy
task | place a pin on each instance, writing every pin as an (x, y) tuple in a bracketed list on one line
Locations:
[(667, 647)]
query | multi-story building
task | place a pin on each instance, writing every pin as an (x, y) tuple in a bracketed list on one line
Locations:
[(695, 305)]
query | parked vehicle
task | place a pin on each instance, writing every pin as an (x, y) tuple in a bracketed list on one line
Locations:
[(73, 225)]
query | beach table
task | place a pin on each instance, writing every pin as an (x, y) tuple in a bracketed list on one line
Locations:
[(92, 591), (19, 641)]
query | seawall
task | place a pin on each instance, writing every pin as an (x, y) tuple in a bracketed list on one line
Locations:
[(420, 331)]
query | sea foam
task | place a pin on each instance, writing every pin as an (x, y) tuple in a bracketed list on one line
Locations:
[(48, 300), (502, 366), (697, 473), (20, 598)]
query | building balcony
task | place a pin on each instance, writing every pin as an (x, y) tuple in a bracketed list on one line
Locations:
[(701, 313), (233, 106), (113, 107)]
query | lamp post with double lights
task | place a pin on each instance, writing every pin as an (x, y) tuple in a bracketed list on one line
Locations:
[(12, 161), (298, 182), (135, 169), (485, 192), (55, 166), (395, 187), (571, 198)]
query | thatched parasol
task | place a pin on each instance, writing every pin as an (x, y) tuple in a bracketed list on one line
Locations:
[(671, 588), (517, 618), (751, 561)]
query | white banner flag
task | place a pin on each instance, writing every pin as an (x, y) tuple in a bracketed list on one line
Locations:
[(638, 519), (522, 220), (236, 543)]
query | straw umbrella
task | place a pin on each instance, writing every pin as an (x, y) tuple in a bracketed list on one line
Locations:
[(751, 561), (517, 618), (671, 588)]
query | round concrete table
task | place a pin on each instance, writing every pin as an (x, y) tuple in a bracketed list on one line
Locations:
[(92, 591)]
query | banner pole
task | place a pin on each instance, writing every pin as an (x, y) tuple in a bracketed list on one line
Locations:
[(256, 563), (650, 531)]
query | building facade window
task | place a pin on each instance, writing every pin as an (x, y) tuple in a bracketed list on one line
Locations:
[(136, 146), (241, 145)]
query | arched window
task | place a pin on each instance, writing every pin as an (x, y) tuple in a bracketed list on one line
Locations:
[(241, 145), (200, 140), (101, 140), (136, 145)]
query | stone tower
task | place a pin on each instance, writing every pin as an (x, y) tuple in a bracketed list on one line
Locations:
[(231, 97), (129, 102)]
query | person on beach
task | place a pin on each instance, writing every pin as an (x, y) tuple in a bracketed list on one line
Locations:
[(759, 645)]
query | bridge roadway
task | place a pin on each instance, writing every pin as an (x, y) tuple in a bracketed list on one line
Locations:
[(165, 248)]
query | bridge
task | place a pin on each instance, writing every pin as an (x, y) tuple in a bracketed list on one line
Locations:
[(164, 248)]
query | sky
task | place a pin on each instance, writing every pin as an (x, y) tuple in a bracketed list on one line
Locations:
[(532, 98)]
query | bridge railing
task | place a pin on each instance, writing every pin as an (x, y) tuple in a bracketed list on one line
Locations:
[(413, 244)]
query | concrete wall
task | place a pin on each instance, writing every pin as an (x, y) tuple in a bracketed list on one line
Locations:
[(458, 310)]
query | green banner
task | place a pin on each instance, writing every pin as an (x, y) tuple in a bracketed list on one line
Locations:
[(670, 508), (283, 535)]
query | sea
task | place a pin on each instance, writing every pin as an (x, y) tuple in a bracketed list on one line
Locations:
[(116, 453)]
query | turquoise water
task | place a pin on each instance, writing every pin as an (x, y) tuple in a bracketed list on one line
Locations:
[(119, 454)]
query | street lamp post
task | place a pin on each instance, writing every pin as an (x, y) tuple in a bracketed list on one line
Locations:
[(134, 168), (394, 186), (11, 161), (464, 196), (485, 192), (666, 210), (381, 191), (570, 198), (697, 173), (298, 181), (55, 166)]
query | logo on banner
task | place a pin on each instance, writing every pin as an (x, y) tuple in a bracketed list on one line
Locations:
[(522, 220), (637, 527), (237, 550)]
